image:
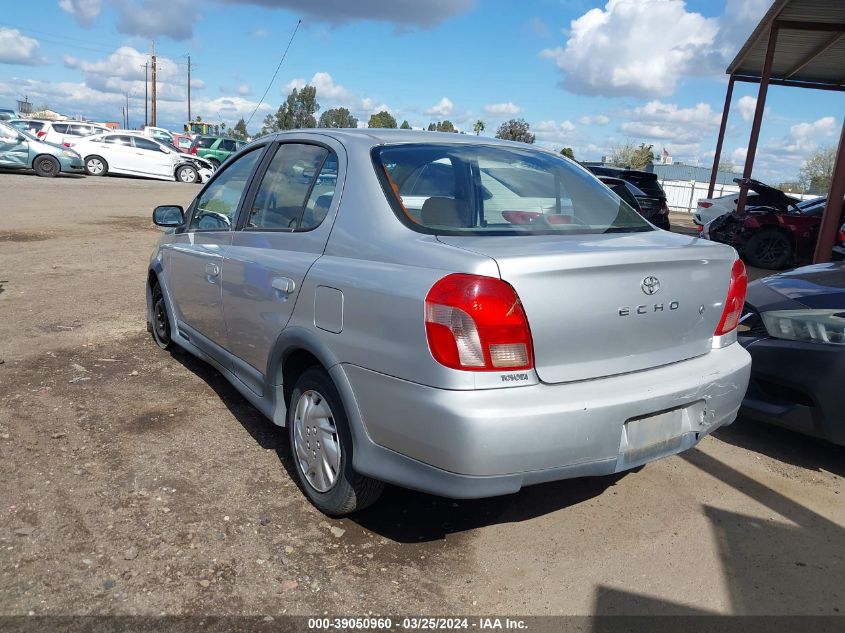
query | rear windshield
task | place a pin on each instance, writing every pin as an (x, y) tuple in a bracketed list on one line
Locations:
[(456, 189), (204, 141)]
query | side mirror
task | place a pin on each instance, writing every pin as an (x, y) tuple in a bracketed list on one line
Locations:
[(168, 216)]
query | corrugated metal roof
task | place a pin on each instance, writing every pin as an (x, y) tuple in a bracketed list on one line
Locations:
[(690, 172), (814, 57)]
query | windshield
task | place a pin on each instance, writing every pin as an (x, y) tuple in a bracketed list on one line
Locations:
[(482, 190)]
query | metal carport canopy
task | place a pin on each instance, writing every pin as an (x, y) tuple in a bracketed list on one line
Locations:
[(798, 43)]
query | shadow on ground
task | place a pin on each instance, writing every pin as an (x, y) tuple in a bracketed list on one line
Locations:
[(401, 515), (785, 446)]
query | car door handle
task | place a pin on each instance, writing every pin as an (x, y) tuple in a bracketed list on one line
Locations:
[(283, 286), (212, 271)]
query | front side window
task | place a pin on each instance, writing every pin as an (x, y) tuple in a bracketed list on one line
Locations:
[(61, 128), (204, 142), (228, 146), (468, 189), (217, 205), (297, 189)]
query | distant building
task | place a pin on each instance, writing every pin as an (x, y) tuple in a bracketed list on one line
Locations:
[(687, 173)]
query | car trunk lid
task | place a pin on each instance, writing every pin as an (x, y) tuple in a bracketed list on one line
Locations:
[(586, 298)]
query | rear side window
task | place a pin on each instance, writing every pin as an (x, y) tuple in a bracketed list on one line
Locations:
[(227, 146), (61, 128), (468, 189), (297, 189), (116, 139)]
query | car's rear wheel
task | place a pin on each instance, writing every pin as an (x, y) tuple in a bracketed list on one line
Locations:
[(161, 321), (96, 166), (188, 174), (322, 448), (771, 250), (46, 166)]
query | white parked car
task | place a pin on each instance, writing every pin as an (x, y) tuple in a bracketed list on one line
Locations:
[(66, 132), (139, 155)]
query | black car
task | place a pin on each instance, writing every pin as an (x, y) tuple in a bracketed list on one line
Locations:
[(652, 198), (625, 190), (794, 328)]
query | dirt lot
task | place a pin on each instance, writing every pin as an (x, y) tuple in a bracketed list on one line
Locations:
[(138, 482)]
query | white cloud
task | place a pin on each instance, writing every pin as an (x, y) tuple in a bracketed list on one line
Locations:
[(244, 90), (83, 11), (502, 109), (536, 26), (158, 18), (260, 33), (780, 158), (553, 133), (594, 119), (746, 106), (16, 48), (661, 121), (442, 108), (644, 48)]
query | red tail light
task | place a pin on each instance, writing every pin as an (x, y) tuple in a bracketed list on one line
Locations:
[(842, 234), (478, 324), (68, 144), (705, 205), (664, 208), (40, 134), (193, 150), (735, 301)]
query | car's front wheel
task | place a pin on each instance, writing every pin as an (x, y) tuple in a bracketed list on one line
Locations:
[(187, 174), (161, 322), (770, 249), (46, 166), (322, 448), (96, 166), (215, 164)]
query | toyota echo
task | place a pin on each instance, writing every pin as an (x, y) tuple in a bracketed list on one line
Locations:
[(456, 315)]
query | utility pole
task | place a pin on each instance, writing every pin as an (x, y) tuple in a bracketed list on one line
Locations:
[(189, 90), (146, 93), (153, 88)]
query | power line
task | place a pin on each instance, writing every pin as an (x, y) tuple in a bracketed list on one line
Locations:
[(281, 61)]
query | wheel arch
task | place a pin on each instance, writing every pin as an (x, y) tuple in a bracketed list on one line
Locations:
[(296, 350)]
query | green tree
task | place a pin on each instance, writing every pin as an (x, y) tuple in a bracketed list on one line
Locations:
[(478, 127), (240, 129), (337, 117), (817, 171), (298, 109), (382, 119), (516, 130), (442, 126), (405, 125), (567, 151), (269, 125)]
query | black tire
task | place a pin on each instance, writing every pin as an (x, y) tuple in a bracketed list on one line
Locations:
[(770, 249), (96, 166), (350, 491), (187, 174), (215, 164), (46, 166), (161, 320)]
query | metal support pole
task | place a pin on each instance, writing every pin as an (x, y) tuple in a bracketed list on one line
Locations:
[(758, 116), (153, 88), (833, 209), (717, 158)]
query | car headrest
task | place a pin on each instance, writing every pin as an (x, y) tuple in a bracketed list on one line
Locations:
[(444, 212)]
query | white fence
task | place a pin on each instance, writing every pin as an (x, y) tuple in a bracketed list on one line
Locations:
[(683, 195)]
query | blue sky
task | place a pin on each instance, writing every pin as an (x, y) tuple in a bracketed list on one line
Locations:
[(584, 73)]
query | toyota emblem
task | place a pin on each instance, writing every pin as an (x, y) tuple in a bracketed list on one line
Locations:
[(650, 285)]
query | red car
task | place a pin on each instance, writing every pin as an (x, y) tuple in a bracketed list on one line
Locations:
[(778, 232)]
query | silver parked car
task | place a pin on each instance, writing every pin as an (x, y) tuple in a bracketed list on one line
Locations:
[(454, 315)]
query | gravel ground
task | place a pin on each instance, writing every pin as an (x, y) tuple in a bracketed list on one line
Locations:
[(136, 481)]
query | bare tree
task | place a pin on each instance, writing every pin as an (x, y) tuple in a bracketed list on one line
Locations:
[(629, 155)]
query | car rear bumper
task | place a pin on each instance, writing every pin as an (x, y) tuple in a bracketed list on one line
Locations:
[(796, 385), (489, 442)]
